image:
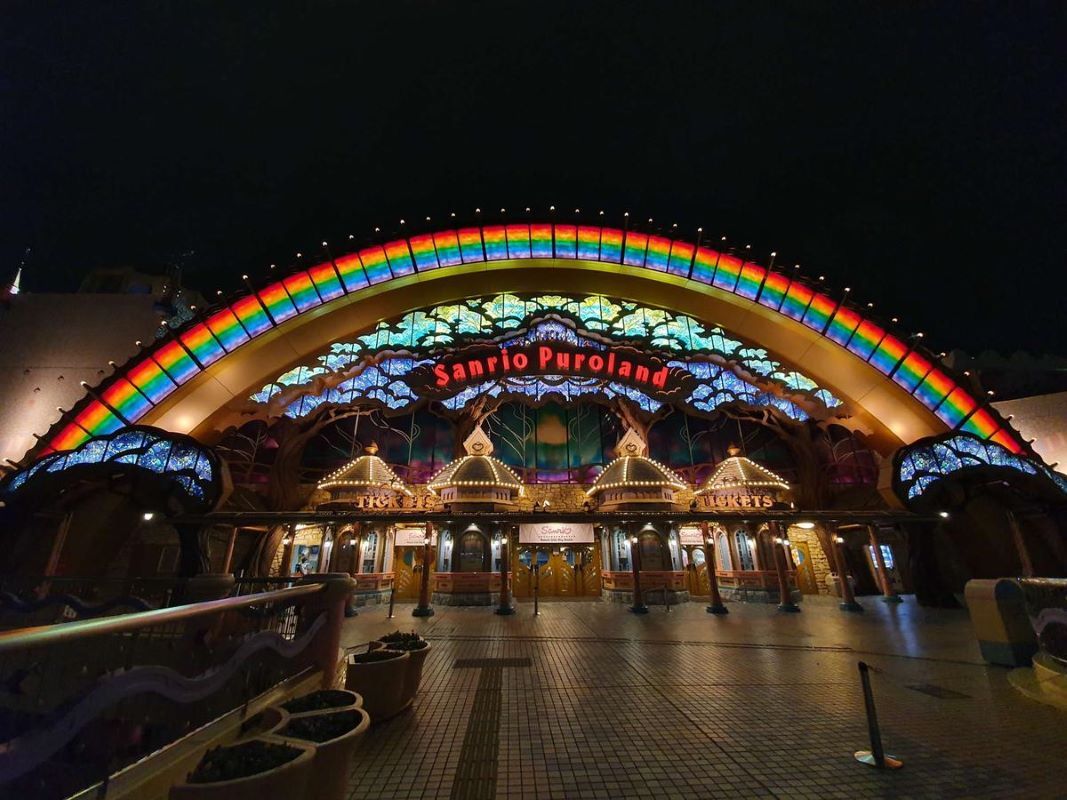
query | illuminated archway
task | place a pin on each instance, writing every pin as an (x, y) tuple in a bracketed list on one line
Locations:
[(191, 381)]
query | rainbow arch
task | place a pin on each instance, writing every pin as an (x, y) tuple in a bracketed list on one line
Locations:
[(149, 378)]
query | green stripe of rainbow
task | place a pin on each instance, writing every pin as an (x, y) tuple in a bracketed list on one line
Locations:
[(227, 329)]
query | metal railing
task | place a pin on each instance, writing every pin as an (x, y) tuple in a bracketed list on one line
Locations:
[(80, 700)]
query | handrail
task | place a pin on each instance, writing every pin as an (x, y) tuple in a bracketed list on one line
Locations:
[(43, 635)]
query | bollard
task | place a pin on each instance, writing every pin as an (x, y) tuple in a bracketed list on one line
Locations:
[(392, 600), (666, 600), (875, 757), (537, 590)]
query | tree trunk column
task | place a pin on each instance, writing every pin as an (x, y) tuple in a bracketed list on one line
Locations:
[(424, 609), (357, 546), (506, 607), (638, 606), (848, 599), (227, 560), (785, 599), (715, 605), (888, 593), (287, 554), (1025, 562)]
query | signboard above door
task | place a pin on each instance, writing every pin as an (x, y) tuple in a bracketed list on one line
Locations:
[(556, 533), (410, 537)]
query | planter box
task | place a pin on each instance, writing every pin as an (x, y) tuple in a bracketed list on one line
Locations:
[(416, 660), (341, 700), (381, 684), (285, 782), (333, 757)]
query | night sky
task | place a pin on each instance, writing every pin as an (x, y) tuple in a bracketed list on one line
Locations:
[(912, 151)]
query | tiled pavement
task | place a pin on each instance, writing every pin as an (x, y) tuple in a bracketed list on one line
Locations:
[(684, 704)]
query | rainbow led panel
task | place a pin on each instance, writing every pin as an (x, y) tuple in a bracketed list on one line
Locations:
[(727, 271), (588, 243), (199, 341), (176, 361), (150, 380), (518, 241), (704, 263), (566, 241), (750, 280), (399, 258), (448, 252), (327, 284), (658, 253), (611, 245), (424, 252), (470, 245), (541, 241), (774, 289), (152, 377), (227, 330), (350, 268), (375, 264), (634, 249), (496, 243), (681, 258)]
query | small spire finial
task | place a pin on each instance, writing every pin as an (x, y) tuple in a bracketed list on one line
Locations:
[(733, 450), (631, 444), (371, 449), (478, 443)]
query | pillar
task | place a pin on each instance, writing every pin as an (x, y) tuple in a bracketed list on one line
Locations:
[(357, 546), (505, 607), (227, 560), (287, 553), (638, 606), (785, 599), (715, 605), (848, 599), (888, 594), (1025, 561), (424, 609)]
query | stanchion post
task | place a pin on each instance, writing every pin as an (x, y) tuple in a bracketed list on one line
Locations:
[(715, 604), (876, 756), (424, 609), (537, 584), (392, 598)]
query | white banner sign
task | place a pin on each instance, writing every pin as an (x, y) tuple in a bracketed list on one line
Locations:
[(410, 537), (690, 535), (556, 533)]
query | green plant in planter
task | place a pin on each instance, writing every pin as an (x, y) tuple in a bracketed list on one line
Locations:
[(374, 656), (399, 636), (241, 761), (322, 727), (318, 701), (408, 645)]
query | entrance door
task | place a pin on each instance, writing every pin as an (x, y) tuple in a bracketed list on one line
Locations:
[(588, 582), (697, 572), (408, 570), (557, 571), (805, 571)]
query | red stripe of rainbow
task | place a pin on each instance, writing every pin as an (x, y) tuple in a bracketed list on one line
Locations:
[(245, 318)]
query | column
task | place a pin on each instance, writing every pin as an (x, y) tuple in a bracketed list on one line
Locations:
[(424, 609), (715, 605), (287, 553), (848, 599), (638, 606), (1025, 562), (506, 608), (357, 546), (227, 560), (785, 599), (888, 594)]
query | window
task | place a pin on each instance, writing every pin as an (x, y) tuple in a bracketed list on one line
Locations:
[(887, 555)]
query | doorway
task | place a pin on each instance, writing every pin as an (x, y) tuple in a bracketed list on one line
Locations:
[(697, 572), (408, 571), (562, 570), (805, 571)]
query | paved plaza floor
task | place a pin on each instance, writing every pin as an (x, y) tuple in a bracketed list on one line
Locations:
[(590, 701)]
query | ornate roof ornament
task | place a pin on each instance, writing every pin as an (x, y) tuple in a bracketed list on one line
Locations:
[(634, 472), (739, 472), (476, 471), (367, 472)]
